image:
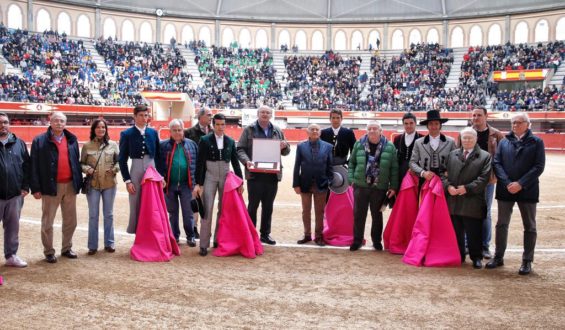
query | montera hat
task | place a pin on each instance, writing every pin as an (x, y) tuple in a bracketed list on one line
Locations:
[(433, 115)]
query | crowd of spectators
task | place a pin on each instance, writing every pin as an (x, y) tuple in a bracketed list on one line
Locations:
[(54, 68), (236, 77), (530, 99), (414, 80), (135, 67), (323, 82)]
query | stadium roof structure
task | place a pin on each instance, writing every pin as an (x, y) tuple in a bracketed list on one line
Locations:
[(324, 11)]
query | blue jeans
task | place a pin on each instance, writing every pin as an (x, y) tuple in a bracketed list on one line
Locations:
[(487, 223), (93, 198), (183, 194)]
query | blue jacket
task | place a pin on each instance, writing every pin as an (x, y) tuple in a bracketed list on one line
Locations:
[(44, 163), (308, 170), (167, 149), (522, 161), (14, 168), (131, 146)]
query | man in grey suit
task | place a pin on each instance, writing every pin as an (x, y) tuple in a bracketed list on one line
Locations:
[(431, 152), (468, 172)]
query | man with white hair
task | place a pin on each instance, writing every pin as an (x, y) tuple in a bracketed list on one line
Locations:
[(177, 165), (467, 175), (56, 179), (312, 176), (261, 187), (518, 163), (373, 171)]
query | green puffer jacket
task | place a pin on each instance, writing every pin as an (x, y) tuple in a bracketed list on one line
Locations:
[(388, 177)]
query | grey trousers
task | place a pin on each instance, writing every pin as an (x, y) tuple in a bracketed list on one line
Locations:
[(528, 213), (136, 172), (10, 210), (216, 173)]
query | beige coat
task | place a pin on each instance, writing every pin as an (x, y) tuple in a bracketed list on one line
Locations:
[(108, 161)]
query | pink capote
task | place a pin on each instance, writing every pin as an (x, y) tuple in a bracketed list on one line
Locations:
[(236, 234), (154, 239), (433, 242), (338, 219), (399, 227)]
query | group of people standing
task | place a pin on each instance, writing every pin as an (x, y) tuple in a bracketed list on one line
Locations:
[(194, 164)]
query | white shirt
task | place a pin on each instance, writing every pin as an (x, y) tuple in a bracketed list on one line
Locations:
[(409, 138), (204, 129), (141, 130), (434, 142), (220, 141), (336, 130)]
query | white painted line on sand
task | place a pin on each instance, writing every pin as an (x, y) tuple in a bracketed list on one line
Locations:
[(35, 221)]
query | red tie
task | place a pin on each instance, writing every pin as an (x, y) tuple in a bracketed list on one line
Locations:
[(465, 154)]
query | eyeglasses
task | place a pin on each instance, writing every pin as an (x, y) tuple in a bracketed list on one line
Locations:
[(517, 122), (5, 122)]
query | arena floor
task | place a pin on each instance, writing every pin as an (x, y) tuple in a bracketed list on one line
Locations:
[(289, 286)]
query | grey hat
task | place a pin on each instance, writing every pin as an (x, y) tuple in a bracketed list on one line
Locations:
[(340, 182)]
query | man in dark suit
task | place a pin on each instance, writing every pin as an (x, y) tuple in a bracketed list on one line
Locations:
[(518, 163), (215, 153), (202, 128), (341, 138), (195, 133), (404, 143), (312, 176), (140, 144)]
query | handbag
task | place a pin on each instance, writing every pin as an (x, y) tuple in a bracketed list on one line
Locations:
[(87, 180)]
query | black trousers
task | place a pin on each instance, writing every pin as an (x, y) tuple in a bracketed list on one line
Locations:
[(473, 229), (262, 190), (365, 198)]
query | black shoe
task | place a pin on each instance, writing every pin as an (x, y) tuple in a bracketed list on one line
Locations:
[(526, 268), (355, 247), (495, 262), (215, 245), (110, 249), (477, 264), (306, 239), (92, 252), (320, 241), (203, 252), (268, 240), (69, 254), (378, 246), (196, 234), (50, 258), (191, 242), (487, 254)]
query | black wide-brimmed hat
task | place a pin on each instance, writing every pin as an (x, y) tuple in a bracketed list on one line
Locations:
[(197, 206), (433, 115)]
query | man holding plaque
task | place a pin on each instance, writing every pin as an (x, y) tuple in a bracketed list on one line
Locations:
[(262, 184)]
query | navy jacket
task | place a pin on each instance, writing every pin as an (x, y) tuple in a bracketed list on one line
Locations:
[(131, 146), (308, 170), (342, 144), (14, 168), (44, 163), (167, 149), (522, 161)]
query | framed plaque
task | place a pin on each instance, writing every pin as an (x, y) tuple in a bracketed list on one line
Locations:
[(266, 156)]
